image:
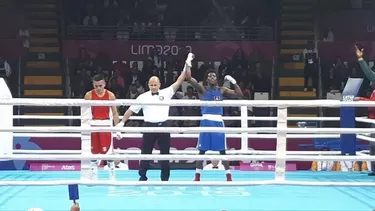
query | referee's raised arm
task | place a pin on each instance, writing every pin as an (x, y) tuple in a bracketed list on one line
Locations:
[(182, 76)]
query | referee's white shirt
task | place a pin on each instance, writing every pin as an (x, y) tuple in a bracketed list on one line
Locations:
[(154, 114)]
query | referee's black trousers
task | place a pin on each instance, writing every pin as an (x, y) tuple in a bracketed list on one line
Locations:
[(164, 143)]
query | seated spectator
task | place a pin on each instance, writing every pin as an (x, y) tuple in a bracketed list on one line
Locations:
[(139, 87), (116, 84), (136, 74), (100, 70), (119, 164), (133, 93), (190, 110), (90, 19), (214, 165)]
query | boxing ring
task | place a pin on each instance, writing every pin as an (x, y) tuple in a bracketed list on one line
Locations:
[(250, 191)]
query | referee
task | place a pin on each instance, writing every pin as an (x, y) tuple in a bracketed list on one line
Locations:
[(155, 116)]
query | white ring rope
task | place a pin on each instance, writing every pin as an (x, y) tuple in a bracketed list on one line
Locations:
[(188, 130), (178, 135), (365, 119), (366, 138), (183, 183), (184, 118), (183, 152), (226, 103), (234, 155), (184, 157)]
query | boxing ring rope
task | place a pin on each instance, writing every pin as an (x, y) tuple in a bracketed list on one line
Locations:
[(281, 131), (188, 118), (71, 157), (183, 152), (52, 102), (188, 130), (178, 135)]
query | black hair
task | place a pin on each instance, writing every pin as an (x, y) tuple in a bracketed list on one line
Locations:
[(98, 77)]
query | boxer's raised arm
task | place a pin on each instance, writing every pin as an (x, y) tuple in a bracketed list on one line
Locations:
[(370, 75)]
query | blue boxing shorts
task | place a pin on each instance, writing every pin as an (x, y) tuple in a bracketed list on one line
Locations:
[(211, 141)]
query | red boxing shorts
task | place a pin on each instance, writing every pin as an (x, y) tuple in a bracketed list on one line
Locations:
[(101, 142)]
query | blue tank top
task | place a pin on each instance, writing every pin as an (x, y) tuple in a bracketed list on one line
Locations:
[(212, 95)]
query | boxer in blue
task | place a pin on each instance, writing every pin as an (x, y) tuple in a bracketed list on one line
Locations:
[(212, 116)]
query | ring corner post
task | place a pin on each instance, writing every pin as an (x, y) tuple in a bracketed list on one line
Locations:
[(281, 145), (6, 146), (347, 141), (347, 116), (244, 124), (85, 142)]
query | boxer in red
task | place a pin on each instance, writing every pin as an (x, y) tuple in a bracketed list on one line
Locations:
[(101, 142)]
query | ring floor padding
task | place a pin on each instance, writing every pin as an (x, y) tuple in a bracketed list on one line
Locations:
[(194, 198)]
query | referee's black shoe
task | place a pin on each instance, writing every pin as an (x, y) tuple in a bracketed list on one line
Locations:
[(143, 179), (371, 174)]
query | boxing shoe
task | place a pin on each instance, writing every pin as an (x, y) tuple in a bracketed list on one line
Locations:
[(197, 177), (93, 170), (111, 171), (229, 177)]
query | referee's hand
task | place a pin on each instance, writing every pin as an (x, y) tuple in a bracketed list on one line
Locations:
[(118, 134)]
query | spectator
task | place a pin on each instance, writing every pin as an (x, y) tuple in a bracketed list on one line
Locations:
[(90, 19), (224, 68), (328, 36), (116, 84), (139, 87), (261, 82), (136, 74), (122, 26), (239, 58), (190, 110), (5, 70), (110, 12), (332, 83), (84, 60), (214, 165), (23, 33), (169, 77), (133, 93), (311, 69)]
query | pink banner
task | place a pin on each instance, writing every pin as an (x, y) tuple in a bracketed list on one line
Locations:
[(264, 166), (345, 50), (54, 166), (350, 25), (139, 50)]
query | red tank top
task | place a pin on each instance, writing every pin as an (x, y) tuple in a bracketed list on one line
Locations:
[(100, 112)]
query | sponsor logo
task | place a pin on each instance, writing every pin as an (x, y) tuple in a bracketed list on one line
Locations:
[(68, 167), (348, 98), (46, 167), (165, 50)]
